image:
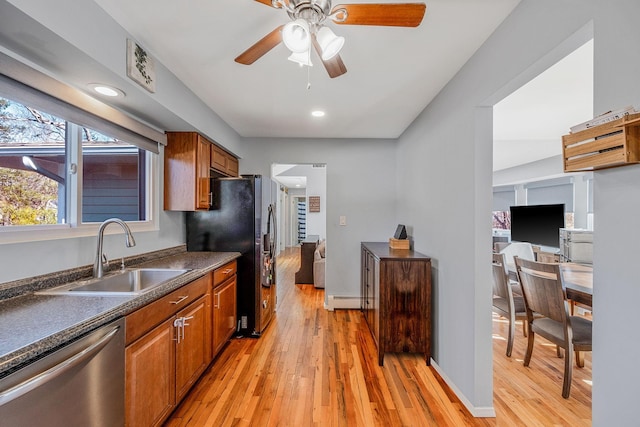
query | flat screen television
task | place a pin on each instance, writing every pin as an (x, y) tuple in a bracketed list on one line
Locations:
[(537, 224)]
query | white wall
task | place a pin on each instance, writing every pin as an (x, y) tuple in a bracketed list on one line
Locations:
[(360, 185), (451, 221)]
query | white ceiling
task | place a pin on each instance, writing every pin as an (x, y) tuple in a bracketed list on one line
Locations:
[(528, 124), (393, 73)]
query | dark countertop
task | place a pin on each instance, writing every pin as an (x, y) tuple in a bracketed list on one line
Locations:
[(32, 325)]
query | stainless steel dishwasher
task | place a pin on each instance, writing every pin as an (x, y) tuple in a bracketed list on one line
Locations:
[(81, 384)]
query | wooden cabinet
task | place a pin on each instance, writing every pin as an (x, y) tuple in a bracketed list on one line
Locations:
[(224, 313), (193, 349), (369, 292), (223, 162), (188, 160), (168, 347), (186, 172), (224, 305), (396, 298), (149, 379)]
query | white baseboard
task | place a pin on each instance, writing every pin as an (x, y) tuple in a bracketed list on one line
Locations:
[(476, 411), (336, 302)]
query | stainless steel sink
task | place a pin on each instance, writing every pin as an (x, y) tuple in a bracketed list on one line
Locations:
[(130, 282)]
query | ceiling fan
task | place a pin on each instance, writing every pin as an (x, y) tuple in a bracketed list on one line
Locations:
[(307, 28)]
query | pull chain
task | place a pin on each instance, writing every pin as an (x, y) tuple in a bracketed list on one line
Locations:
[(309, 69)]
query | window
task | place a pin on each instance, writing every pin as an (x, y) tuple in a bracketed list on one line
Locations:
[(32, 163), (503, 198), (39, 164), (69, 161)]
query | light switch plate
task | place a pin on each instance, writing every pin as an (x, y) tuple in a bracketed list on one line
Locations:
[(343, 220)]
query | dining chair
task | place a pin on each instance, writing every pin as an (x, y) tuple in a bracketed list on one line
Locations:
[(544, 294), (506, 302)]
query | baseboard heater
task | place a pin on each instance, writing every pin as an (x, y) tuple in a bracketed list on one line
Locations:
[(338, 302)]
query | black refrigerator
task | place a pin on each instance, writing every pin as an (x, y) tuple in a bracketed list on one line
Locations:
[(234, 224)]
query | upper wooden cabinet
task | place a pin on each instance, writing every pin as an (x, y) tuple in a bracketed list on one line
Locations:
[(186, 172), (188, 159), (223, 162)]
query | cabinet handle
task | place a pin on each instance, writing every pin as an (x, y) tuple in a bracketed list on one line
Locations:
[(179, 325), (217, 303), (227, 271), (184, 321), (179, 300)]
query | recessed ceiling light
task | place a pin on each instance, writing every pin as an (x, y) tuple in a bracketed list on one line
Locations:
[(317, 113), (106, 90)]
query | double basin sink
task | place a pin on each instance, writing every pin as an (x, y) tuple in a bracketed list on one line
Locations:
[(129, 282)]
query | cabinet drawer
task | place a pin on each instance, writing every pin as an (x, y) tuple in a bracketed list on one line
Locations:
[(147, 317), (223, 273)]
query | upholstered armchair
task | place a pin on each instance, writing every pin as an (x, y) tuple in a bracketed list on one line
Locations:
[(319, 264)]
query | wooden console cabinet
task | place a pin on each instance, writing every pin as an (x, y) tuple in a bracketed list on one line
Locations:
[(396, 298)]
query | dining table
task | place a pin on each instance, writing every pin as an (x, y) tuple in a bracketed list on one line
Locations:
[(578, 282)]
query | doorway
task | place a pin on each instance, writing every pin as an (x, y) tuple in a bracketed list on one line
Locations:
[(299, 183), (527, 150)]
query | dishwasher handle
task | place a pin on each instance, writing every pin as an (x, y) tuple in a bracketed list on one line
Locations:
[(57, 370)]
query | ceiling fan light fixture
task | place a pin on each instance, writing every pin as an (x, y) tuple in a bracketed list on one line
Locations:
[(297, 36), (302, 58), (330, 44)]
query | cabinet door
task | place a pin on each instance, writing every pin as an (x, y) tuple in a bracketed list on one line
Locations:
[(232, 166), (202, 174), (224, 313), (218, 159), (150, 377), (192, 346), (405, 292)]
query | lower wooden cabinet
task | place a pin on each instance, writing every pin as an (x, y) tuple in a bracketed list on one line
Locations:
[(224, 313), (163, 360), (150, 377), (193, 349)]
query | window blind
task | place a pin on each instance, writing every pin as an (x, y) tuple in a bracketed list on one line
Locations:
[(23, 84), (503, 198), (551, 192)]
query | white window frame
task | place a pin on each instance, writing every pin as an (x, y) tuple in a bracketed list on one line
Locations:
[(15, 77)]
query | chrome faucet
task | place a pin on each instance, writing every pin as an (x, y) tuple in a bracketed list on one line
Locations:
[(98, 268)]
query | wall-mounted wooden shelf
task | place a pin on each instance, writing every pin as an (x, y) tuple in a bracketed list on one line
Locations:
[(612, 144)]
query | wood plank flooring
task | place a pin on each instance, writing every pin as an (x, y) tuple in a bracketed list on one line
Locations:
[(313, 367)]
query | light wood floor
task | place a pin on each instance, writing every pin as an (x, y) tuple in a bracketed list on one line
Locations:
[(313, 367)]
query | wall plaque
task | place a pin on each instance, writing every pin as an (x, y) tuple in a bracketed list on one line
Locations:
[(314, 203)]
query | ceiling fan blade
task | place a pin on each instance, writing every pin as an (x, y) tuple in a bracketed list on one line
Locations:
[(264, 45), (270, 3), (395, 14), (267, 2), (334, 66)]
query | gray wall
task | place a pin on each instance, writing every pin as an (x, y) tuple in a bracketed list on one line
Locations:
[(451, 219), (360, 186)]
